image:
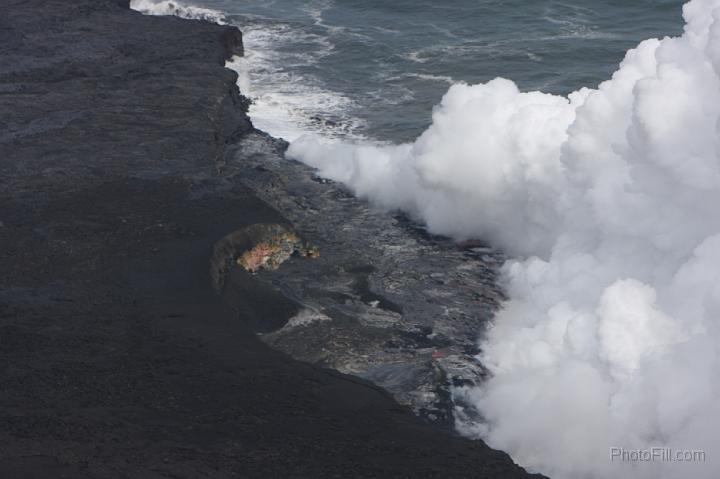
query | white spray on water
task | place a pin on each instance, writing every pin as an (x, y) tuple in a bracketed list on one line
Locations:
[(609, 199), (284, 104), (168, 7)]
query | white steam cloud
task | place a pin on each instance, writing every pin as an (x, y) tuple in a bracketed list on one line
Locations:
[(611, 337)]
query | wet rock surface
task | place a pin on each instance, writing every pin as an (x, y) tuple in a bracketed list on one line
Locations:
[(390, 303), (117, 356)]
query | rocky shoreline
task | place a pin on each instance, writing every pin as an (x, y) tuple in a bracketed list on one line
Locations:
[(384, 301), (126, 156)]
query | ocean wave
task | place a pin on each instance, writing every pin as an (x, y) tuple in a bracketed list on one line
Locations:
[(429, 77), (284, 103), (417, 56), (291, 106), (166, 7), (316, 10)]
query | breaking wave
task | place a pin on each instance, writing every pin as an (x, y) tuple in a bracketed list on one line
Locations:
[(285, 104), (166, 7)]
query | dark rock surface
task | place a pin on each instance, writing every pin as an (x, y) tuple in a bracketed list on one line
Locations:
[(384, 301), (117, 357)]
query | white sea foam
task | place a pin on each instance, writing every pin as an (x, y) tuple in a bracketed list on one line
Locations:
[(417, 57), (166, 7), (315, 10), (433, 78), (284, 104), (608, 199)]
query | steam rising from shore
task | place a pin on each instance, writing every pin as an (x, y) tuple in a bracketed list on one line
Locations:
[(608, 198)]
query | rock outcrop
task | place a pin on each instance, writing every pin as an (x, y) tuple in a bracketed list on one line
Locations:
[(263, 246)]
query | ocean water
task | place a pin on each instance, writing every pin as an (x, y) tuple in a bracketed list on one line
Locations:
[(375, 69)]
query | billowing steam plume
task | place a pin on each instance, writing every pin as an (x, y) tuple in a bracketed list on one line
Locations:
[(608, 198)]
